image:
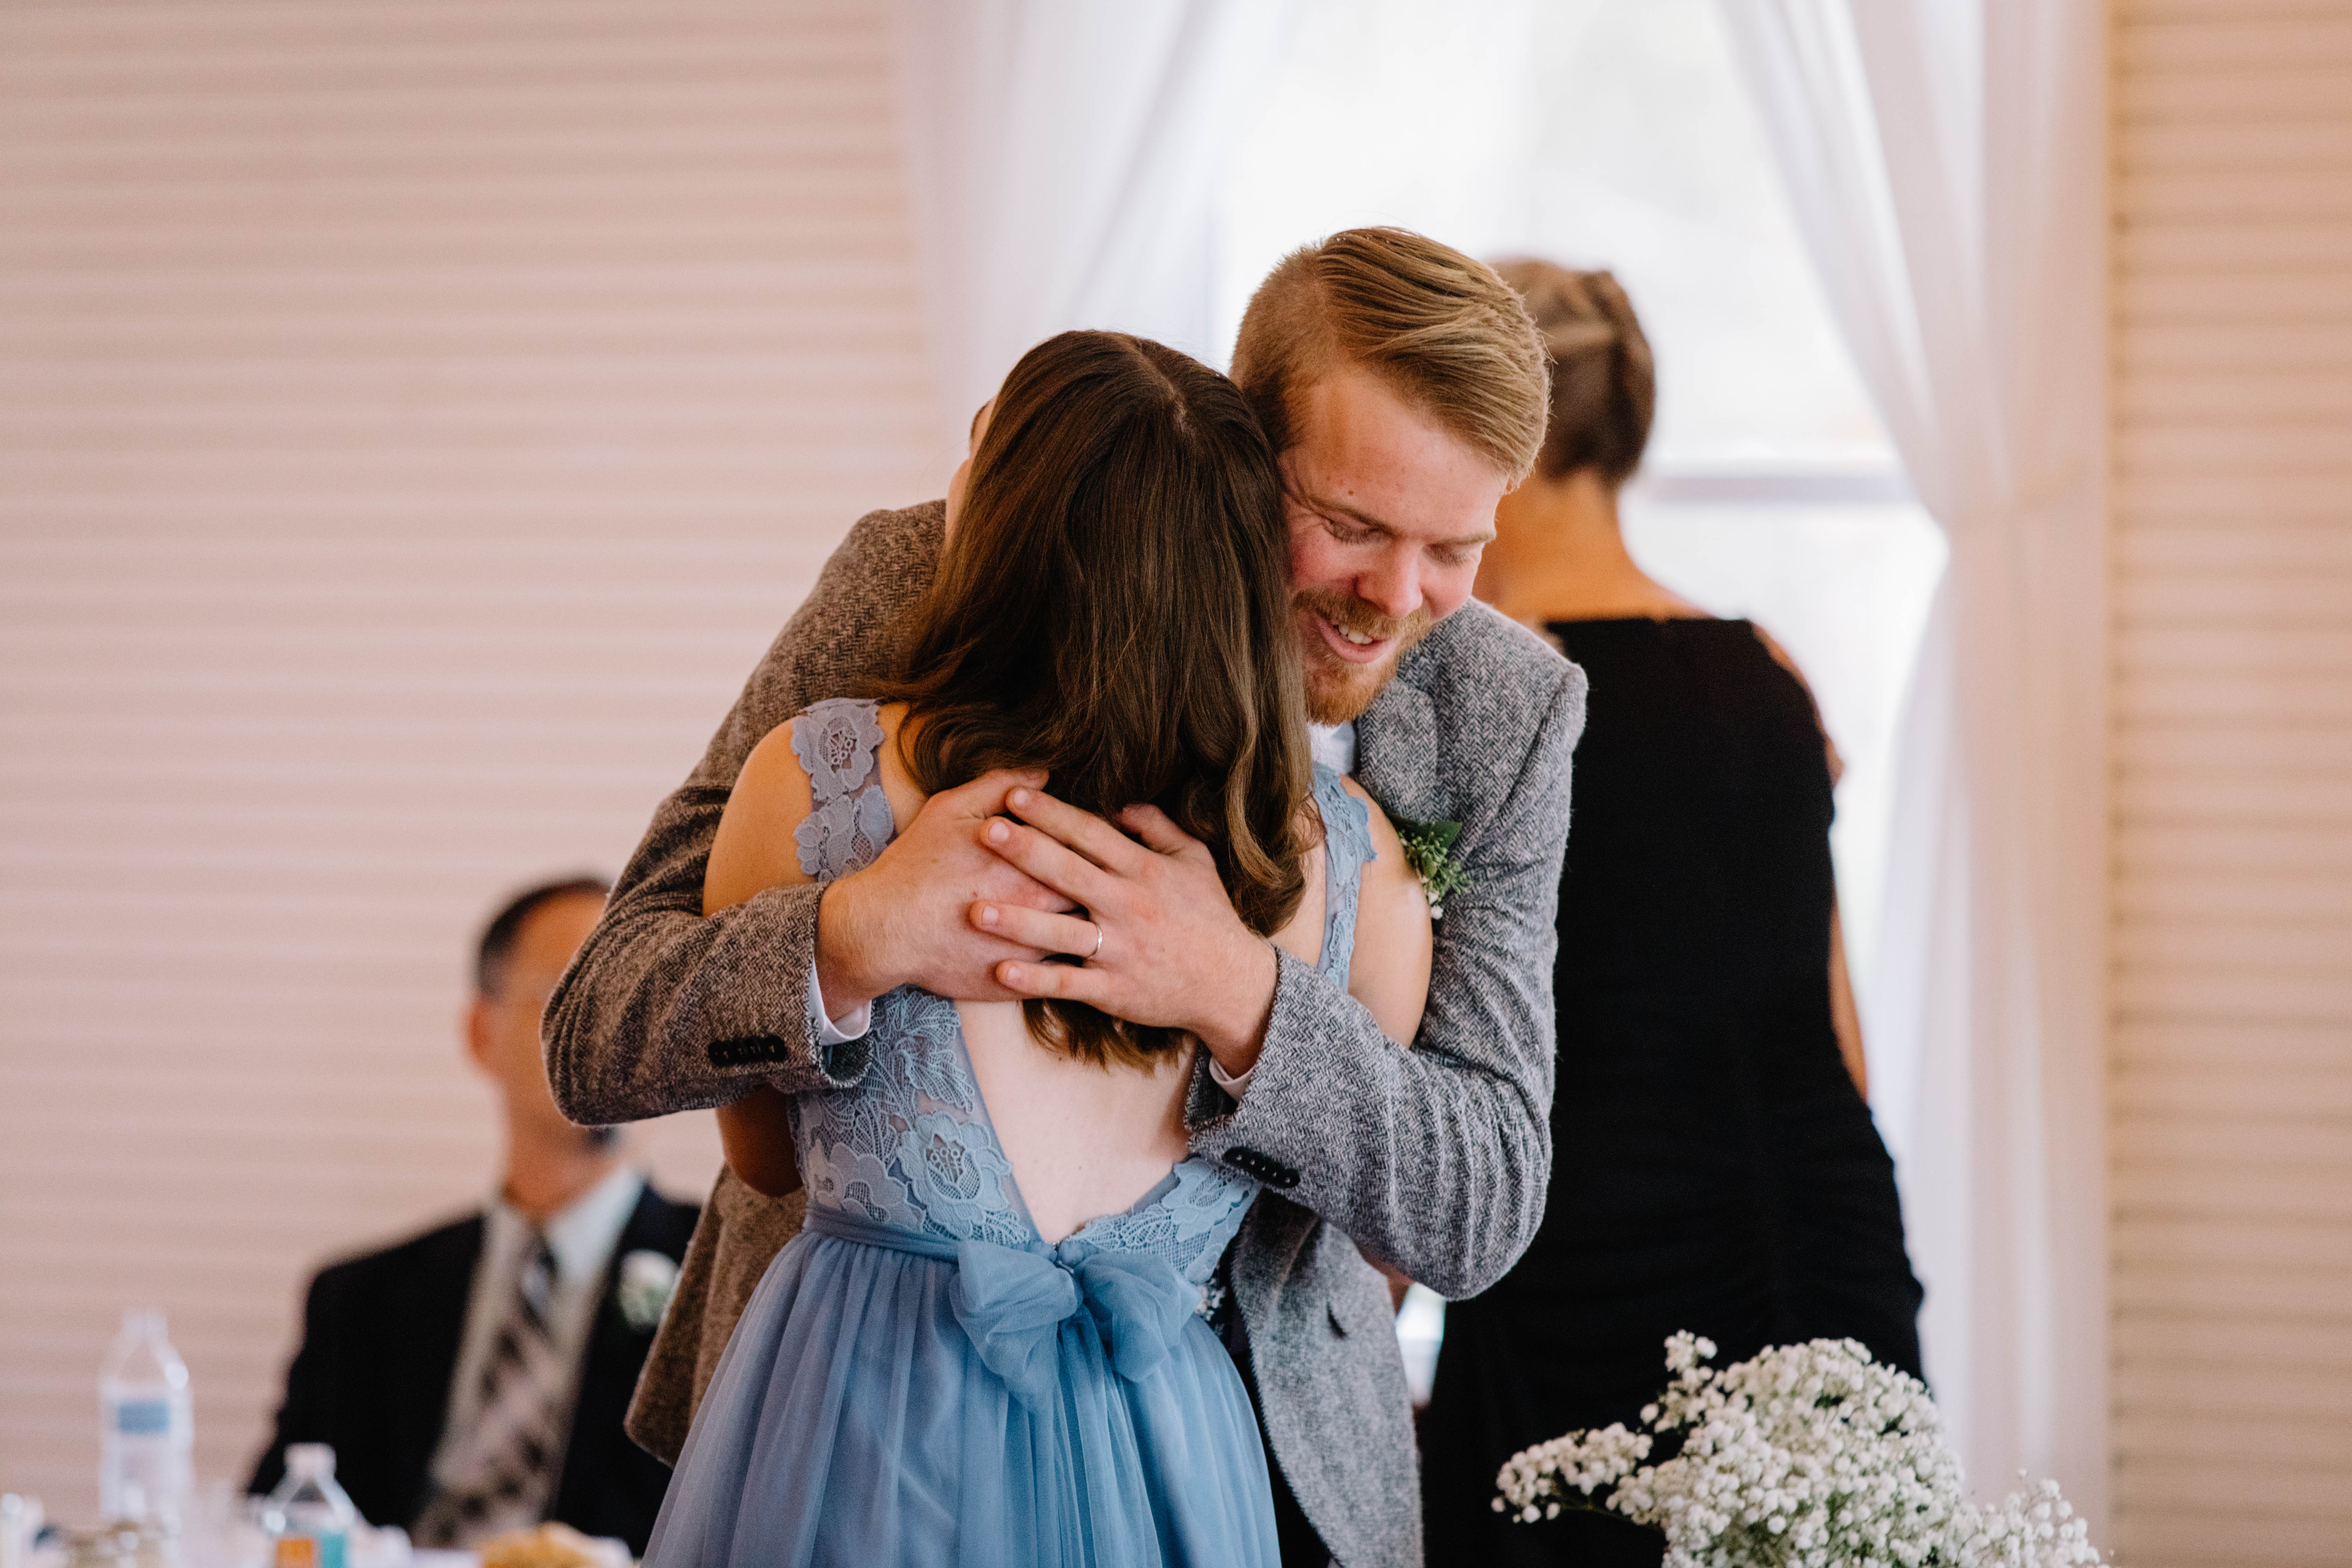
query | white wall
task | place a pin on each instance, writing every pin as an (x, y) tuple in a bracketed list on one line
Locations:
[(415, 416), (2232, 894)]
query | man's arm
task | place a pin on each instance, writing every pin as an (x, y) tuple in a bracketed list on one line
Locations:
[(1437, 1159), (663, 1010), (666, 1009)]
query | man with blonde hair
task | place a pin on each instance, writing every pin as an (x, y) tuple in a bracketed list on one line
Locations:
[(1405, 386)]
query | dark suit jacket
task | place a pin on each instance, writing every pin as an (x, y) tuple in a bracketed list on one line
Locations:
[(380, 1341)]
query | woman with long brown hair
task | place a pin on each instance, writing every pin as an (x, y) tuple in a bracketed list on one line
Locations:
[(988, 1344)]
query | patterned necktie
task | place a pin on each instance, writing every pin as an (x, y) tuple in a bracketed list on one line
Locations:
[(498, 1477)]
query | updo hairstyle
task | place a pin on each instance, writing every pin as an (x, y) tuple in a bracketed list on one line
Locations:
[(1604, 387)]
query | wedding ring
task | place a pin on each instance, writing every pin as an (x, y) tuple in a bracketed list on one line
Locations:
[(1097, 951)]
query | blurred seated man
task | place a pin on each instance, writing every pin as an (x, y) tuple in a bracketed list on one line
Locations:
[(473, 1380)]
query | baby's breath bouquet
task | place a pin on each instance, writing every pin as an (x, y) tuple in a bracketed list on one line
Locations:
[(1809, 1455)]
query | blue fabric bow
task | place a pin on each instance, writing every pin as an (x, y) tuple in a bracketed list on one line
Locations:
[(1013, 1304)]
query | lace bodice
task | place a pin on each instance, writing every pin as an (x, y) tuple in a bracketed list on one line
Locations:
[(910, 1146)]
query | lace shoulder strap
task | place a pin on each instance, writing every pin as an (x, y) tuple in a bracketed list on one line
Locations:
[(1346, 850), (839, 744)]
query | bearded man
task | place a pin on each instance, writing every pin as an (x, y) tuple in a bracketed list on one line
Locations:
[(1405, 386)]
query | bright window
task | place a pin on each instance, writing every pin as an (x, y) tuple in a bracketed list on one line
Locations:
[(1616, 133)]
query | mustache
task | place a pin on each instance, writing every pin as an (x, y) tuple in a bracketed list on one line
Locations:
[(1350, 614)]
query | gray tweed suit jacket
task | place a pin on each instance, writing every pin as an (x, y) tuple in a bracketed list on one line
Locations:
[(1435, 1159)]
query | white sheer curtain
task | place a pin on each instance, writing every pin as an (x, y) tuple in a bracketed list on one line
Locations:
[(1061, 155), (1946, 161)]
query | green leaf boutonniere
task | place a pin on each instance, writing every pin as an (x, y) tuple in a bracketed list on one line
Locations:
[(648, 1279), (1429, 850)]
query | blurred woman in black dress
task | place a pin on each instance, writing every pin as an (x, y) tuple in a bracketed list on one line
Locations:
[(1715, 1165)]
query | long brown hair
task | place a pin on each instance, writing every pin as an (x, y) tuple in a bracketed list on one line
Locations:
[(1113, 607)]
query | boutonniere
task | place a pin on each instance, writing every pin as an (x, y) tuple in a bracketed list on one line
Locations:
[(648, 1279), (1429, 851)]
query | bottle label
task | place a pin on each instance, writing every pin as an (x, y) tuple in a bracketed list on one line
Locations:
[(143, 1417), (308, 1551)]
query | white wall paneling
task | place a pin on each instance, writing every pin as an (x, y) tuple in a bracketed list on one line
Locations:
[(415, 419), (2231, 896)]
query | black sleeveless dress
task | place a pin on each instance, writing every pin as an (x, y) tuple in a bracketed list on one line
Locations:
[(1713, 1167)]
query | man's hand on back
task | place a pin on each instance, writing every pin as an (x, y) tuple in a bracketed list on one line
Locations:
[(1172, 952), (905, 919)]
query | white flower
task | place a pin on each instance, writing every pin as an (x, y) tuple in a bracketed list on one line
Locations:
[(1809, 1455), (648, 1279)]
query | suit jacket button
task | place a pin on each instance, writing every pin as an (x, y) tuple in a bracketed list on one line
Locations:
[(1270, 1171)]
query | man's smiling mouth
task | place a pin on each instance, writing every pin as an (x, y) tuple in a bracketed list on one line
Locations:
[(1348, 644)]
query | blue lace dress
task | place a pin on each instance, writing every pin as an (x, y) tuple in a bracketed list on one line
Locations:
[(921, 1379)]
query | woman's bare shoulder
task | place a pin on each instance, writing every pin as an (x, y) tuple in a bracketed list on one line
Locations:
[(755, 848), (1387, 847), (1389, 972), (775, 776)]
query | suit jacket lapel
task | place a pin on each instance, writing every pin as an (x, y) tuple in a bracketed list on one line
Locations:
[(608, 1371), (1396, 752), (610, 1353), (434, 1335)]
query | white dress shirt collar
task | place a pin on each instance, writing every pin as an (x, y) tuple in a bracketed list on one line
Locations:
[(581, 1235), (1333, 745)]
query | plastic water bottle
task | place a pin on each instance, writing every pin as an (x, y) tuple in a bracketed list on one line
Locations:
[(20, 1524), (309, 1517), (146, 1425)]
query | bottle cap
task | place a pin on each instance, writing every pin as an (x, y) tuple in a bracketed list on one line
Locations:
[(312, 1461)]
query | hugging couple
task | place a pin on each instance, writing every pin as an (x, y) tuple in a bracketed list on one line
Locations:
[(1085, 1043)]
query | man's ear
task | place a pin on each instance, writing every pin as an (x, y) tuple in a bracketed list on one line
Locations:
[(481, 1033)]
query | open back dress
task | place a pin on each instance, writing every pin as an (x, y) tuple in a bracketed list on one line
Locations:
[(921, 1378)]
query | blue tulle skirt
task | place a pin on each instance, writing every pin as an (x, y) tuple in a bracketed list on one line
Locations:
[(897, 1401)]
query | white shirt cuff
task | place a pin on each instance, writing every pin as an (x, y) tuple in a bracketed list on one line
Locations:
[(1235, 1084), (832, 1031)]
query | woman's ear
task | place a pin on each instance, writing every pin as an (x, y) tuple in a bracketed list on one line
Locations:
[(956, 482), (962, 478)]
